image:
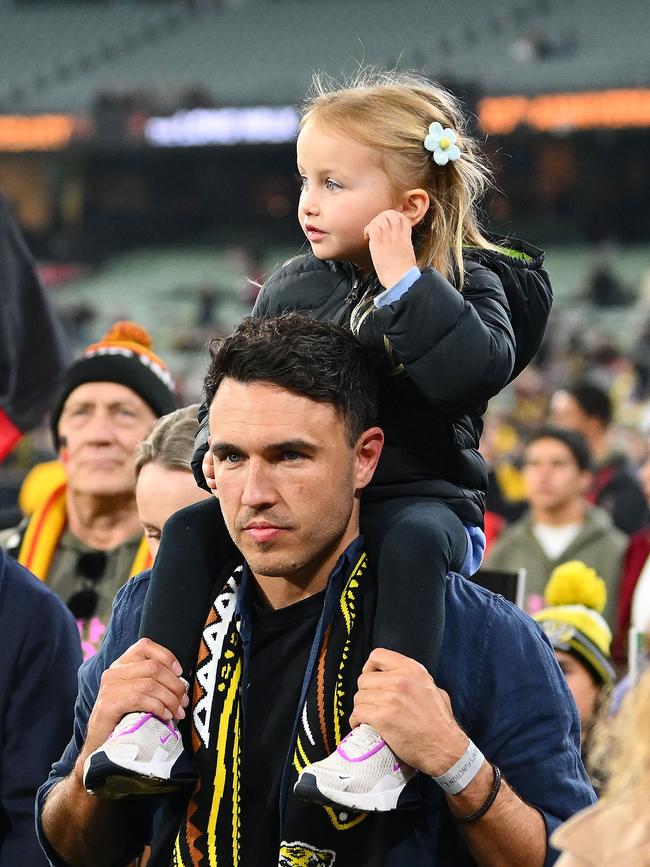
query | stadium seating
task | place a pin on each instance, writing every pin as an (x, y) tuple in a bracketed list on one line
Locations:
[(262, 50)]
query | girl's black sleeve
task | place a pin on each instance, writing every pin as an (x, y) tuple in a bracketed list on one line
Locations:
[(458, 348)]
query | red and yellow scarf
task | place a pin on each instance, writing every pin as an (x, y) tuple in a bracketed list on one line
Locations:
[(44, 531)]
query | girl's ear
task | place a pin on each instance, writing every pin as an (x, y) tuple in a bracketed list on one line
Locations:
[(415, 204)]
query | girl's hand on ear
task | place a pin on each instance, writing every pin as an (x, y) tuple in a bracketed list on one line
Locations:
[(208, 469), (391, 246)]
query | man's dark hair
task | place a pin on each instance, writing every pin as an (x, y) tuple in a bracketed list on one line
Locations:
[(302, 354), (572, 439), (592, 400)]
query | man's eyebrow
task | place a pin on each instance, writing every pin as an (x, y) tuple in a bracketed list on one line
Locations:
[(78, 404), (118, 404), (89, 404), (223, 448), (292, 445)]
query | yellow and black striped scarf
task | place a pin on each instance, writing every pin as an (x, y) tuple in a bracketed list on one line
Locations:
[(211, 828)]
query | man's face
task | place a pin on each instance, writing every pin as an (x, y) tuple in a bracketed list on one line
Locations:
[(552, 476), (286, 479), (100, 426)]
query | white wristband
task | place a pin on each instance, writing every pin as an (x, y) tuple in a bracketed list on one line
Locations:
[(461, 774)]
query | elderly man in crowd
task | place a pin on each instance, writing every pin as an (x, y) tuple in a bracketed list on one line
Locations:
[(85, 538)]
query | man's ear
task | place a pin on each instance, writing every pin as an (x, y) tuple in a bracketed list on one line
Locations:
[(415, 204), (367, 452)]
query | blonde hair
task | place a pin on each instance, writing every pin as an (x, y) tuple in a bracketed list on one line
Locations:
[(391, 112), (622, 749), (170, 442)]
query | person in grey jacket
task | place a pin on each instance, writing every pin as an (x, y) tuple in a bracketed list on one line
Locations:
[(560, 525)]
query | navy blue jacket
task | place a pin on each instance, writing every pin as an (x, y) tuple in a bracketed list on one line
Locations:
[(507, 693), (40, 653)]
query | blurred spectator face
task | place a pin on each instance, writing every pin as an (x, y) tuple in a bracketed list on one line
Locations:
[(552, 476), (99, 428), (566, 412), (584, 688), (159, 492)]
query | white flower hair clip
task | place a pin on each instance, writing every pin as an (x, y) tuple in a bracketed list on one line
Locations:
[(442, 144)]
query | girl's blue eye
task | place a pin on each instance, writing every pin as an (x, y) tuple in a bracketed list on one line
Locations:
[(332, 185), (303, 183)]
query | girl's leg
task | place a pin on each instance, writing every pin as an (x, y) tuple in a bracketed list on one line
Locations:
[(194, 554), (194, 549), (412, 544)]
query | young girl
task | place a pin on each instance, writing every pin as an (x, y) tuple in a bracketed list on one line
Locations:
[(390, 184)]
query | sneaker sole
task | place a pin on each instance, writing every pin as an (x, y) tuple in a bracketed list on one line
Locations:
[(106, 779), (308, 789)]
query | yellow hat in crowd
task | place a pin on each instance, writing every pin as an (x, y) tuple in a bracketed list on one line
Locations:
[(575, 597)]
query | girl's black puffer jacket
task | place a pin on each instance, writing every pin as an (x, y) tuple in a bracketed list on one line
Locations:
[(445, 353)]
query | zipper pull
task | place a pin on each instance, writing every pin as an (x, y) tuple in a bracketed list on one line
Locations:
[(353, 293)]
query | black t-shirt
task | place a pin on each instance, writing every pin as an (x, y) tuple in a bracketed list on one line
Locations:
[(280, 647)]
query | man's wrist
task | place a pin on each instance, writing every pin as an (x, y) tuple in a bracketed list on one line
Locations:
[(450, 746), (77, 774), (474, 795), (85, 752), (459, 775)]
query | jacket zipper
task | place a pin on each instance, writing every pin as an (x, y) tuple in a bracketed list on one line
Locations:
[(353, 294)]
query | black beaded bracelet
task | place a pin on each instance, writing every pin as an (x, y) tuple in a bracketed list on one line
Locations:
[(487, 803)]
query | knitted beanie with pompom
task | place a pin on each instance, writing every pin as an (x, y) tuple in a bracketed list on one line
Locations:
[(575, 597), (124, 355)]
